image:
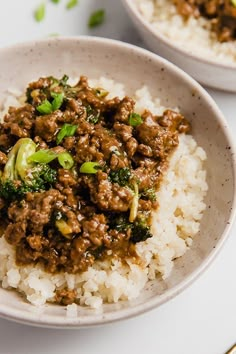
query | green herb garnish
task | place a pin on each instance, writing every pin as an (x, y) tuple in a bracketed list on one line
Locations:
[(96, 18), (71, 3), (58, 100), (46, 156), (89, 167), (43, 156), (135, 119), (47, 107), (66, 130), (100, 93), (55, 1), (65, 160), (40, 12)]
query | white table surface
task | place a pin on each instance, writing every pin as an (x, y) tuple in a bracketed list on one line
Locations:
[(202, 320)]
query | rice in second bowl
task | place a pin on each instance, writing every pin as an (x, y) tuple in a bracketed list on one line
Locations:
[(177, 220), (194, 34)]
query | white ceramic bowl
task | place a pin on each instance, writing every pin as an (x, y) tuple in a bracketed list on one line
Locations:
[(133, 67), (209, 72)]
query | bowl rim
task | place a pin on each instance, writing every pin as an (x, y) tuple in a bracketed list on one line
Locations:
[(133, 10), (50, 321)]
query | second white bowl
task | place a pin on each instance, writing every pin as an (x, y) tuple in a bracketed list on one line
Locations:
[(209, 72)]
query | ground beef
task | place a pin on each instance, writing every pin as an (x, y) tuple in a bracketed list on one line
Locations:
[(47, 127), (221, 13), (66, 218), (20, 121), (108, 195), (3, 158)]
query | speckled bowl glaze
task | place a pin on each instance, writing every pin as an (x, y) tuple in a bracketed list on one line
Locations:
[(134, 67), (209, 72)]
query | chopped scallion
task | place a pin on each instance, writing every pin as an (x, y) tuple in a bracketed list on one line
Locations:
[(66, 160), (45, 107), (66, 130), (42, 156), (71, 3), (89, 167), (100, 93), (135, 119), (39, 13), (96, 18), (58, 100)]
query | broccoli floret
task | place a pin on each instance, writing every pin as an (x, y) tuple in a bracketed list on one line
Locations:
[(120, 223), (121, 176), (41, 178), (92, 115), (140, 231), (9, 191)]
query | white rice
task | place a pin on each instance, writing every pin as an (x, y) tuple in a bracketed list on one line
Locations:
[(174, 225), (194, 35)]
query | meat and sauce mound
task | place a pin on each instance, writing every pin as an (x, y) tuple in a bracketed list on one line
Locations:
[(221, 13), (79, 172)]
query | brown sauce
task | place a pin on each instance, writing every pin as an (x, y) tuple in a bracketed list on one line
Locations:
[(66, 218)]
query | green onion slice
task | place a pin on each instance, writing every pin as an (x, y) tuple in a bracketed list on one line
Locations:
[(45, 107), (66, 160), (43, 156), (39, 13), (26, 149), (135, 119), (66, 130), (58, 100), (89, 167), (55, 1), (101, 93), (71, 3), (96, 18)]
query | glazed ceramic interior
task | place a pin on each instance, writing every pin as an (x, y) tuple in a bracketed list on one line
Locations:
[(134, 67)]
